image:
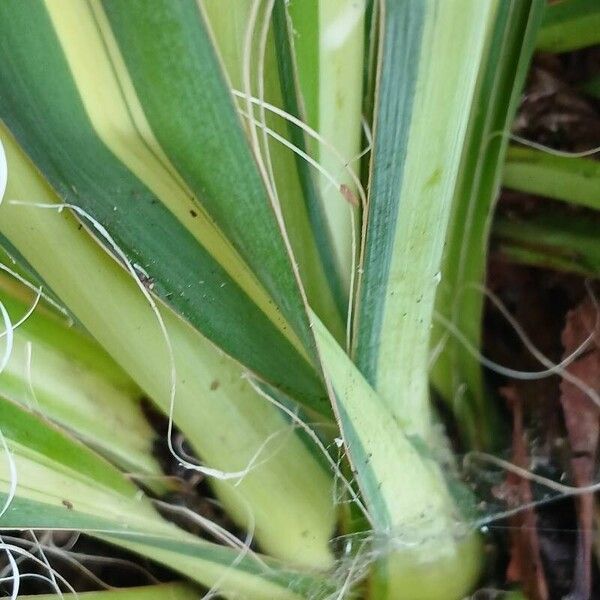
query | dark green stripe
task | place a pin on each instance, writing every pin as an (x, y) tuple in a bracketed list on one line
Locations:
[(402, 23), (187, 101), (40, 104), (306, 174), (24, 513), (14, 260), (31, 514), (25, 428), (368, 483), (569, 25), (296, 581)]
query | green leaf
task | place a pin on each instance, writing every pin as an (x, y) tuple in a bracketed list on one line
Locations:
[(228, 425), (456, 374), (21, 271), (574, 180), (415, 522), (570, 25), (60, 372), (206, 143), (551, 240), (327, 39), (292, 102), (40, 444), (76, 110), (3, 173), (292, 178), (426, 88), (61, 484), (166, 591), (377, 445)]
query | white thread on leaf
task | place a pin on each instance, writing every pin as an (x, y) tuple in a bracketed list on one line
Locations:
[(315, 438), (314, 134), (27, 314), (351, 295), (247, 80), (309, 159), (333, 182), (36, 289), (102, 231)]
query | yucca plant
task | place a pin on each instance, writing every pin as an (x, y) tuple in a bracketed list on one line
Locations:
[(244, 210)]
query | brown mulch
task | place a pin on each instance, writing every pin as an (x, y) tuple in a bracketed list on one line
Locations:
[(555, 426)]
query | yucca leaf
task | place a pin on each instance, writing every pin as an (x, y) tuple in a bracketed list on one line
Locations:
[(85, 115), (60, 372), (570, 25), (36, 441), (326, 38), (555, 241), (430, 57), (197, 92), (222, 417), (165, 591), (416, 526), (206, 563), (22, 273), (292, 178), (574, 180), (456, 374), (61, 484), (308, 174), (377, 444)]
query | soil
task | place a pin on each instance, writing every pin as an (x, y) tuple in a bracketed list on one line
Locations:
[(546, 550)]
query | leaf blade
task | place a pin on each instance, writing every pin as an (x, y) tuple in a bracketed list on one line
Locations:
[(205, 141), (427, 78), (574, 180), (66, 148), (101, 502), (569, 25), (169, 591), (237, 429), (510, 46)]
